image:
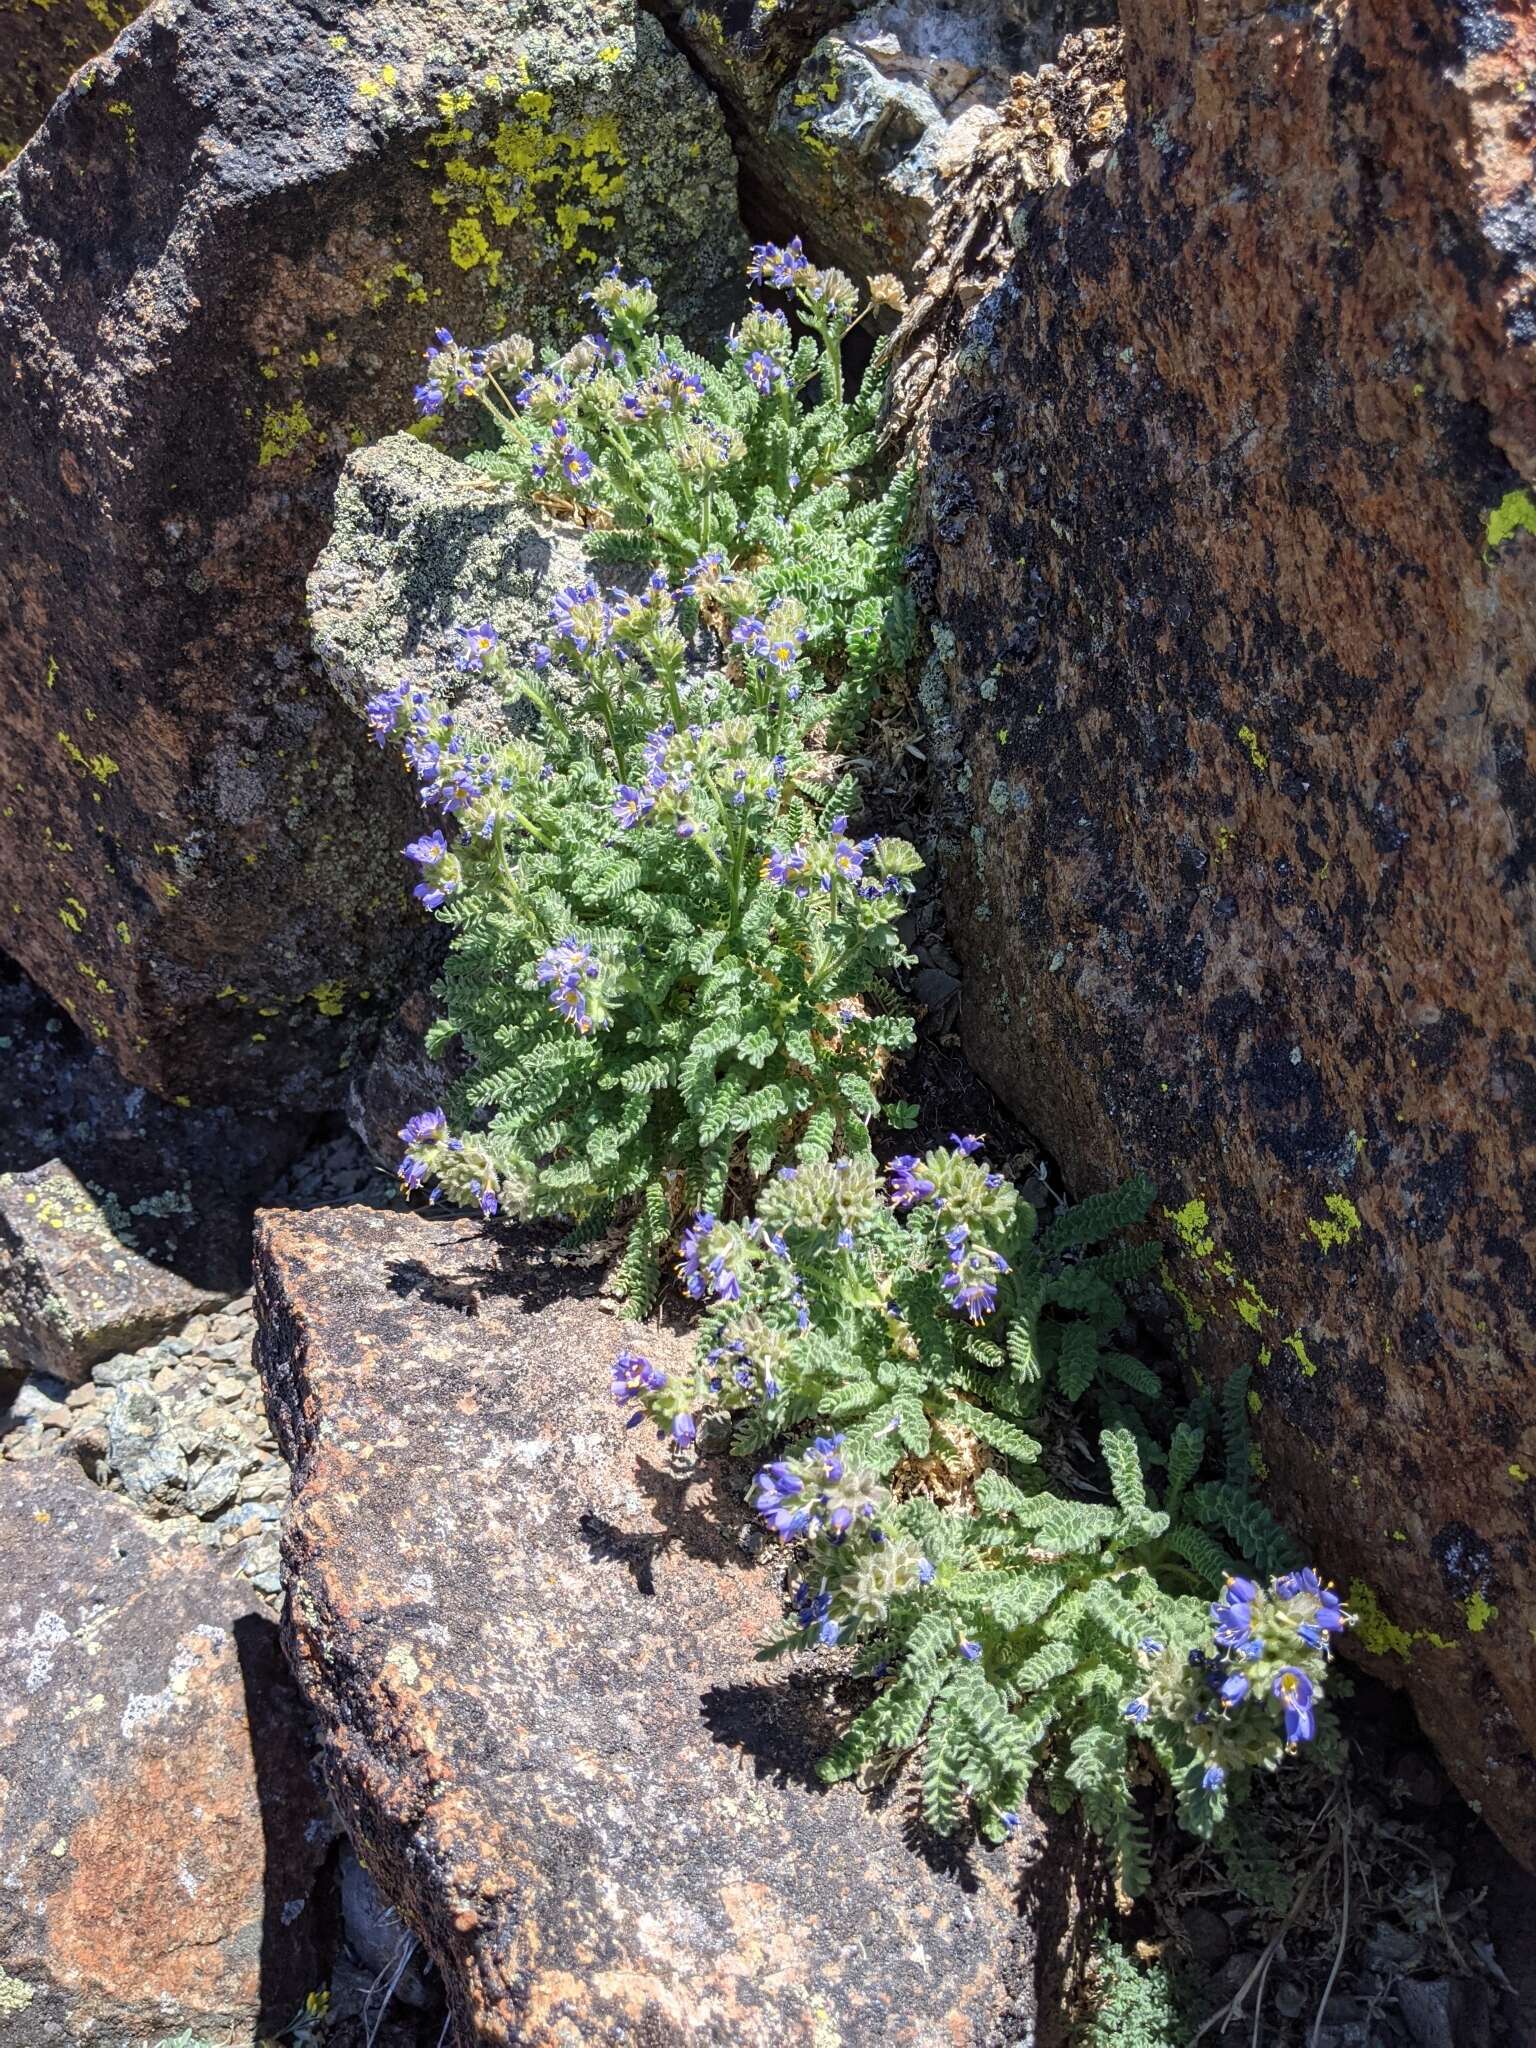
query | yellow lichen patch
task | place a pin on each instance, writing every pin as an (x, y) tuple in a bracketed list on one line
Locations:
[(1191, 1225), (1340, 1224), (1250, 1305), (327, 998), (1256, 753), (1382, 1637), (529, 172), (1297, 1347), (1371, 1627), (73, 913), (1514, 513), (468, 247), (102, 766), (283, 432), (1479, 1613)]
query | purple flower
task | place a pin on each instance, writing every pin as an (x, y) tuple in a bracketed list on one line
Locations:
[(969, 1650), (826, 1450), (630, 805), (762, 372), (1137, 1710), (429, 398), (577, 464), (426, 851), (688, 1254), (813, 1610), (486, 1198), (777, 1501), (634, 1375), (1215, 1777), (908, 1185), (426, 1127), (771, 264), (476, 643), (411, 1172), (1234, 1689), (779, 867), (383, 712), (969, 1145), (974, 1271), (684, 1430), (1232, 1615), (568, 964), (1293, 1689)]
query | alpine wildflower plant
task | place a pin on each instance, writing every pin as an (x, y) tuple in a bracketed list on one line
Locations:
[(669, 941), (917, 1343)]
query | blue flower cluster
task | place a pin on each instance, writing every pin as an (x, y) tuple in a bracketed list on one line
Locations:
[(838, 864), (974, 1271), (560, 451), (1256, 1690), (577, 985), (464, 1170), (636, 1379)]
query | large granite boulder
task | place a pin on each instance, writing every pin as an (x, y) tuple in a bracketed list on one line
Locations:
[(850, 122), (163, 1834), (529, 1644), (220, 258), (1231, 564)]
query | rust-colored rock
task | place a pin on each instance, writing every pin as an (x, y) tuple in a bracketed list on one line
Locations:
[(162, 1831), (220, 258), (530, 1648), (1233, 576)]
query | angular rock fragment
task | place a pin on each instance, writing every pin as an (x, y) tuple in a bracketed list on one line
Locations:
[(162, 1832), (220, 259), (1229, 549), (531, 1654), (175, 1186), (72, 1290)]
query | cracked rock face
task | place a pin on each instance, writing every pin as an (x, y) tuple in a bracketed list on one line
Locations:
[(220, 258), (162, 1832), (531, 1655), (1231, 566), (849, 122)]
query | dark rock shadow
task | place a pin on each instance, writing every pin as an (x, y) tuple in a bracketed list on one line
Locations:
[(298, 1951), (176, 1187)]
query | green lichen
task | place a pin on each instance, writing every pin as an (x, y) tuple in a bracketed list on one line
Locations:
[(283, 432), (1479, 1612), (102, 766), (530, 173), (1297, 1347), (1191, 1225), (1514, 513), (1256, 753), (15, 1994), (1371, 1627), (1340, 1224), (327, 997), (1378, 1634)]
